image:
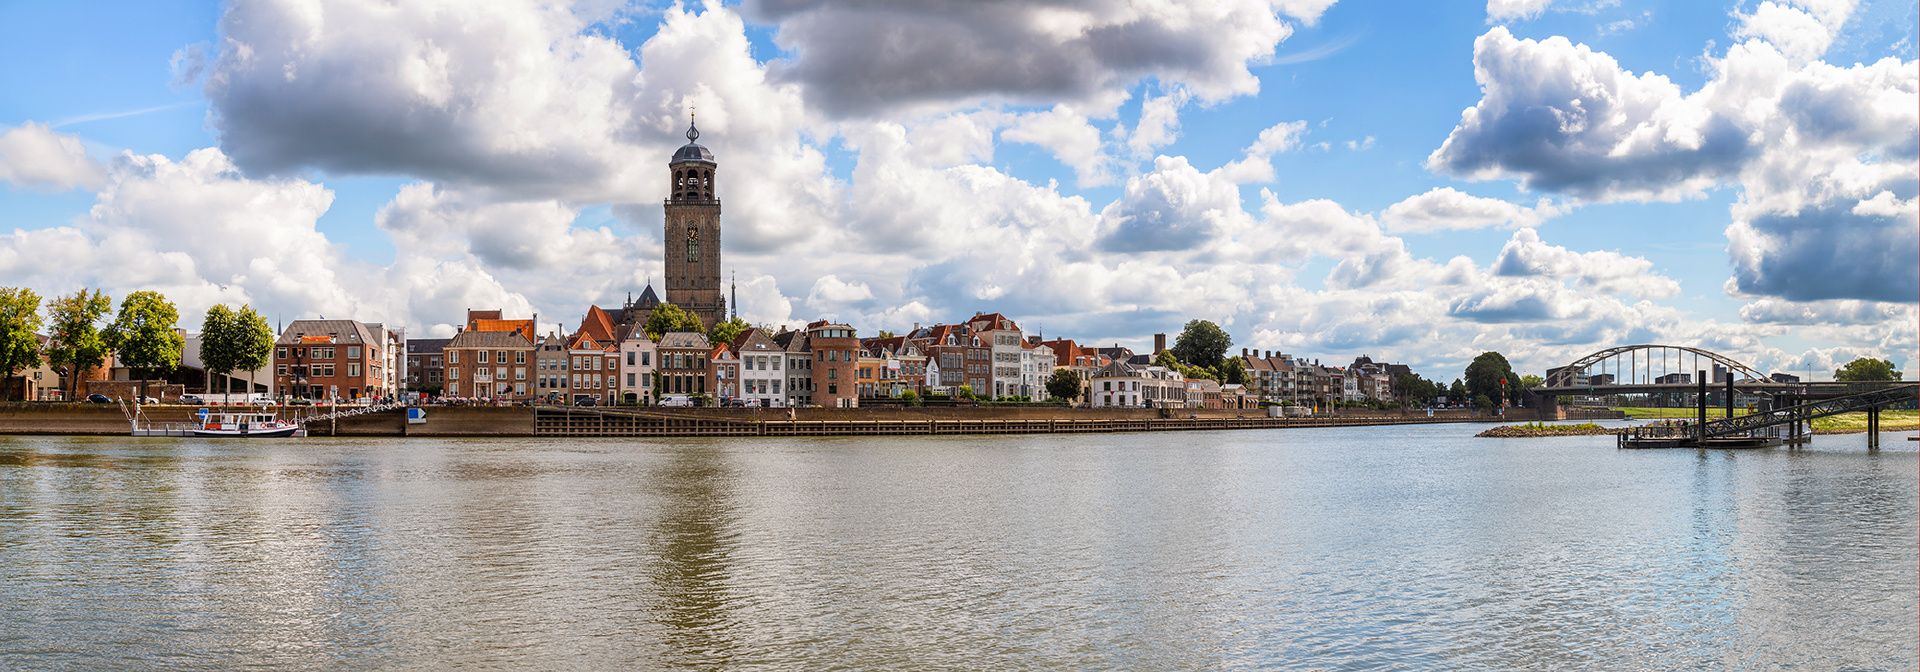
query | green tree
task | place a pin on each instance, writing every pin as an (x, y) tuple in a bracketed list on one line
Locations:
[(75, 345), (1064, 384), (1233, 371), (1489, 374), (144, 335), (965, 392), (255, 341), (1867, 369), (1457, 392), (667, 318), (1531, 381), (1202, 343), (19, 321), (725, 332), (217, 344)]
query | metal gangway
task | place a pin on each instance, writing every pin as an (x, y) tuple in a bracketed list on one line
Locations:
[(1764, 428), (338, 414), (1871, 402)]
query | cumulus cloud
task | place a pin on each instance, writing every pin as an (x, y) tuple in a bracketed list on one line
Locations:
[(861, 57), (1448, 209), (198, 232), (1825, 156), (1508, 10), (1605, 272), (1174, 207), (1562, 117), (1070, 137), (1257, 165), (35, 157), (1841, 312)]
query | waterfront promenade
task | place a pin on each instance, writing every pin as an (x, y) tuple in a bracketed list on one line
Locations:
[(558, 421)]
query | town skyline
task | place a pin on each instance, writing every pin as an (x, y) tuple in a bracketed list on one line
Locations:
[(403, 166)]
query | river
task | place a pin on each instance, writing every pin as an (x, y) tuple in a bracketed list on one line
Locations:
[(1415, 547)]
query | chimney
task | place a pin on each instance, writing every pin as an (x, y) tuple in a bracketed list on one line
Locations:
[(458, 329), (1159, 343), (1269, 354)]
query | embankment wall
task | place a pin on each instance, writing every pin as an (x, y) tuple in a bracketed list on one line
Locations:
[(453, 421)]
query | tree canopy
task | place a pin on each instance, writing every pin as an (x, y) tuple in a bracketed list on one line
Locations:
[(1867, 369), (233, 340), (1492, 376), (1416, 390), (667, 318), (255, 339), (75, 344), (1202, 343), (19, 320), (143, 333), (216, 342), (1063, 384), (725, 332)]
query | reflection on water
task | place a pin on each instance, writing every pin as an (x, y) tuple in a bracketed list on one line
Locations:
[(1360, 548)]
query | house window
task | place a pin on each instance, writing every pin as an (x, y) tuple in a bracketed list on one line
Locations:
[(353, 352), (283, 353), (353, 369), (629, 358), (644, 356), (520, 357)]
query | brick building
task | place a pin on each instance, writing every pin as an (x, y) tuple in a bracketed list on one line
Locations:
[(329, 360)]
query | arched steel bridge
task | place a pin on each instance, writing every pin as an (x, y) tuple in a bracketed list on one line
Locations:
[(1649, 367)]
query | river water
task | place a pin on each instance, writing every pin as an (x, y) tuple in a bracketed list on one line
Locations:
[(1415, 548)]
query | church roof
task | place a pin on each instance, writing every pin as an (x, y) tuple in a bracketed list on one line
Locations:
[(648, 299), (692, 151)]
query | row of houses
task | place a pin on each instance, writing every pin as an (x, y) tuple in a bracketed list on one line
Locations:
[(609, 359)]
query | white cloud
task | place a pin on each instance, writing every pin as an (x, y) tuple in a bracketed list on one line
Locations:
[(1601, 271), (1174, 207), (1159, 123), (1070, 137), (1510, 10), (33, 156), (1770, 310), (1812, 146), (1257, 165), (1447, 209), (859, 58)]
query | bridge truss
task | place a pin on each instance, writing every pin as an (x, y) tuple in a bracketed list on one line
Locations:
[(1645, 365)]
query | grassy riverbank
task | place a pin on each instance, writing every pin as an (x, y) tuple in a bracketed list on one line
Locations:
[(1890, 421)]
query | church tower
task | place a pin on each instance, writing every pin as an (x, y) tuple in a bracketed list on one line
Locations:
[(693, 233)]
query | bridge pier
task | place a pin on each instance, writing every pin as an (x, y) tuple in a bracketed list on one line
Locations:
[(1873, 428)]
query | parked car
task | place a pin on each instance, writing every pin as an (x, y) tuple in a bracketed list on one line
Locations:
[(149, 400), (191, 399), (586, 401), (98, 399)]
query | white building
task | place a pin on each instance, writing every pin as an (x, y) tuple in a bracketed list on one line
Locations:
[(637, 355), (762, 376)]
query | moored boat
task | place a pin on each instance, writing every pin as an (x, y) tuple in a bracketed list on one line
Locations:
[(253, 424)]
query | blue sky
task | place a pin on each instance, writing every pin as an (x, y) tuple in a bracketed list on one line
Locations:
[(1739, 176)]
